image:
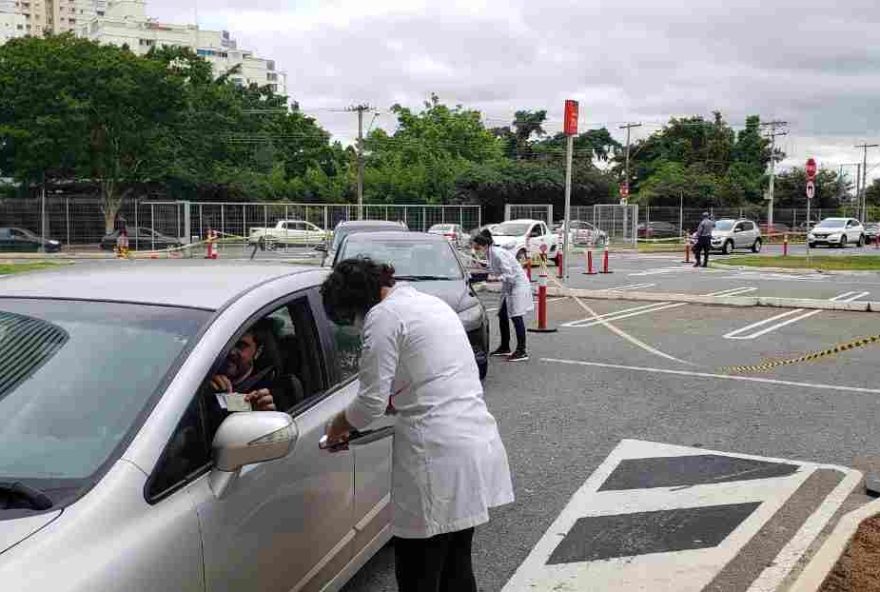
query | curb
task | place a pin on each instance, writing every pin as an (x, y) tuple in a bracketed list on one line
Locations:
[(823, 561), (793, 271), (731, 301)]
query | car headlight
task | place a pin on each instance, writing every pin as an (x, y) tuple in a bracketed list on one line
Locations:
[(54, 243), (471, 317)]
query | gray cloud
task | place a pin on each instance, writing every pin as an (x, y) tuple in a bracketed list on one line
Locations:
[(814, 64)]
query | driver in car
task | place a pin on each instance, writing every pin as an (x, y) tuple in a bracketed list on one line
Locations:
[(238, 375)]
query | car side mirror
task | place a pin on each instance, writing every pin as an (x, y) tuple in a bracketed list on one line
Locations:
[(321, 248), (249, 438)]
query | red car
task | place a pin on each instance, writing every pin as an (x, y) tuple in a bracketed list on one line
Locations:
[(776, 228)]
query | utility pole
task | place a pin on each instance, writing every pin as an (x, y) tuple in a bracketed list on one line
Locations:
[(773, 125), (628, 127), (360, 156), (863, 204)]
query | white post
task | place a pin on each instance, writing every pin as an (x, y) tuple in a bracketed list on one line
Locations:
[(43, 217), (565, 230)]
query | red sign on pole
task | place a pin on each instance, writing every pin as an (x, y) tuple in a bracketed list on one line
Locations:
[(571, 118), (811, 169)]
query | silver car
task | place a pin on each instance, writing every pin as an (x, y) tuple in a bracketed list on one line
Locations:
[(118, 469), (730, 234)]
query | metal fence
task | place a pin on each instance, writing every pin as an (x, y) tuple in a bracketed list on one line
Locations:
[(529, 212), (784, 219), (81, 221)]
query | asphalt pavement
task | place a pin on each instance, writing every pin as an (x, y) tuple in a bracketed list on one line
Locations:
[(667, 373)]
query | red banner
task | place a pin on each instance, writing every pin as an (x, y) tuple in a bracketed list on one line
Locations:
[(571, 118)]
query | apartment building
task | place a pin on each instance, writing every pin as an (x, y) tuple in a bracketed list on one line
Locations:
[(12, 23), (125, 22)]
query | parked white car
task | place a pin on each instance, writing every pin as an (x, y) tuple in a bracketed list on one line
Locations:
[(289, 232), (453, 233), (527, 238), (582, 233), (837, 231), (730, 234)]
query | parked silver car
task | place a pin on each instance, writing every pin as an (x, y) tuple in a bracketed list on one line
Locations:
[(730, 234), (119, 470)]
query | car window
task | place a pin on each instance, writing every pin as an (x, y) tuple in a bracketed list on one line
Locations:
[(280, 351), (748, 225), (536, 231), (5, 233), (410, 258)]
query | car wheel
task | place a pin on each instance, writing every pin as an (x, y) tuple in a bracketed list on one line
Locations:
[(727, 249), (756, 248), (843, 242), (812, 245), (861, 242), (522, 257)]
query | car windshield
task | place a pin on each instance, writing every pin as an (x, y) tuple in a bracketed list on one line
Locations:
[(74, 377), (411, 259), (511, 229), (724, 225), (831, 223)]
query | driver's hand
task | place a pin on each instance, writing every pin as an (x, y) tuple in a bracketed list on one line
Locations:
[(221, 384), (261, 400)]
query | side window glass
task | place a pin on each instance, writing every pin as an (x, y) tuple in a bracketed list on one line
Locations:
[(186, 455), (536, 231), (347, 343)]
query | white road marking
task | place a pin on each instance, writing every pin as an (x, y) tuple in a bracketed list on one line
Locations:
[(738, 378), (688, 570), (743, 333), (647, 308), (632, 287)]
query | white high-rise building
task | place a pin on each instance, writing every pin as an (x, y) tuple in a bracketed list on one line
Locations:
[(125, 22), (50, 16), (12, 22)]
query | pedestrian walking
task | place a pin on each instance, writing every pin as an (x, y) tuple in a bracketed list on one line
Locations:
[(704, 239), (516, 295), (449, 464)]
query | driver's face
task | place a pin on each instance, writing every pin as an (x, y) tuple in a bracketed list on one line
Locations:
[(241, 357)]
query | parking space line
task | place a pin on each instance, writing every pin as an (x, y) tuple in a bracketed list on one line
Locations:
[(694, 374), (647, 308), (738, 334), (633, 287)]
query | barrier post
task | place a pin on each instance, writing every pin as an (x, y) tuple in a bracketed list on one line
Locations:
[(605, 261), (211, 253), (877, 242), (687, 251), (590, 270), (560, 269), (542, 304), (784, 245)]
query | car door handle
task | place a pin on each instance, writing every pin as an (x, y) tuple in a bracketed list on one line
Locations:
[(357, 438)]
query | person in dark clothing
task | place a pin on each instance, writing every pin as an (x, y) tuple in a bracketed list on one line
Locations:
[(237, 373), (704, 239)]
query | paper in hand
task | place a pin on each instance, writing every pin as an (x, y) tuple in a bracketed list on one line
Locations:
[(235, 402)]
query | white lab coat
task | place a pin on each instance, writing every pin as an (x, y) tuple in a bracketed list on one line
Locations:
[(449, 464), (515, 287)]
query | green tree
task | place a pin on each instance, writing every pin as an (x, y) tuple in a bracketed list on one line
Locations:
[(790, 189)]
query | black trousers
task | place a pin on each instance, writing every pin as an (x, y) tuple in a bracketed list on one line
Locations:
[(704, 243), (518, 324), (439, 564)]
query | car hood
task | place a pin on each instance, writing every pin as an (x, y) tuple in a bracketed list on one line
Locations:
[(454, 293), (721, 233), (16, 530), (505, 242)]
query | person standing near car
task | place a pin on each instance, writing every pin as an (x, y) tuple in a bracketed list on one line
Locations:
[(516, 295), (449, 464), (704, 239)]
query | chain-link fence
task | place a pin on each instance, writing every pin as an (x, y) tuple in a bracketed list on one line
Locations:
[(81, 221)]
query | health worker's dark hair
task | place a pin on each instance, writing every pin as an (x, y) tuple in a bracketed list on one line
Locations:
[(354, 287)]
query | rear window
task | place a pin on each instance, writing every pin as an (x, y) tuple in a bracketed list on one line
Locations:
[(75, 376)]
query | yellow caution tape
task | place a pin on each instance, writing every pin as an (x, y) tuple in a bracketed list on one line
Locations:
[(769, 365)]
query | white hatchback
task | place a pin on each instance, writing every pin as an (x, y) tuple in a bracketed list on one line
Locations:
[(837, 232)]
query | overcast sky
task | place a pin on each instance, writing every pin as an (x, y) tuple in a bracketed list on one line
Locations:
[(813, 63)]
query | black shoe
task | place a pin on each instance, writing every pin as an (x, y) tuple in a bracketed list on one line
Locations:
[(519, 356), (501, 352), (705, 265), (696, 264)]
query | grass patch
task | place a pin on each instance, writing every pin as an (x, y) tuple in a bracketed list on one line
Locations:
[(10, 268), (824, 262)]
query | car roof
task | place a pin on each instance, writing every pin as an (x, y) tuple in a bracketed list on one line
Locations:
[(369, 224), (416, 237), (193, 284), (522, 221)]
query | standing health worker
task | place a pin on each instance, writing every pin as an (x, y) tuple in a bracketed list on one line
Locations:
[(449, 464), (516, 295)]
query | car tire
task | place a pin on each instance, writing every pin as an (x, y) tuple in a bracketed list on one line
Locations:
[(812, 245), (843, 242), (727, 249), (861, 242), (756, 248)]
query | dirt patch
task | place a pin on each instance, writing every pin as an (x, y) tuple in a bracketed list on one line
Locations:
[(858, 569)]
